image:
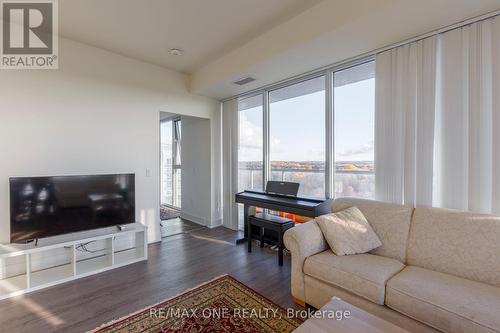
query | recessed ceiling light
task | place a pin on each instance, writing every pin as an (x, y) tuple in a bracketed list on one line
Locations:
[(176, 52)]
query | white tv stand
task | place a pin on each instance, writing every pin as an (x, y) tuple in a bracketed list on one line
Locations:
[(76, 267)]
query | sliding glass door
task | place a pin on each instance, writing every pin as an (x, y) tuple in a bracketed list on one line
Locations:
[(171, 166)]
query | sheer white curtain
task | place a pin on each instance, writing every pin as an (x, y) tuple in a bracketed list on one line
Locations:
[(404, 123), (230, 162), (467, 145), (438, 120)]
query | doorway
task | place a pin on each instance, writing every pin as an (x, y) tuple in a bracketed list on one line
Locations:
[(184, 173)]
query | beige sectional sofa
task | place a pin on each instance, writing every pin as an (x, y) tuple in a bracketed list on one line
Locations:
[(437, 268)]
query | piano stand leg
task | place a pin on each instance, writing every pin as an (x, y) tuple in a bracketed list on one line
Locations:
[(246, 210), (241, 240), (249, 243)]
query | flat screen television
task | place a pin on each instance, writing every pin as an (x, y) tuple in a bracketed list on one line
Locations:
[(48, 206)]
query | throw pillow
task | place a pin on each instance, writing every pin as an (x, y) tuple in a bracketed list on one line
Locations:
[(348, 232)]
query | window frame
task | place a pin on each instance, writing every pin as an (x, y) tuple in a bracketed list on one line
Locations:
[(328, 73)]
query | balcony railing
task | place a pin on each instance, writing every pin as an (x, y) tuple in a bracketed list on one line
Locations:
[(348, 183), (353, 183)]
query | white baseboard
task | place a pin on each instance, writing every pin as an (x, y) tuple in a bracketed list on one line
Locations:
[(216, 224), (194, 218), (201, 221), (231, 227)]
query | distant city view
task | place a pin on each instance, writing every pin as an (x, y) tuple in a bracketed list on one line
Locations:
[(297, 132), (352, 178), (166, 174)]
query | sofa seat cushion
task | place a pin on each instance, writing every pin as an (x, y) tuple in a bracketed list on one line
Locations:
[(444, 301), (362, 274)]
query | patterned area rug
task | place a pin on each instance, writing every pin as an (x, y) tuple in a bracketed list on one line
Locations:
[(221, 305), (167, 213)]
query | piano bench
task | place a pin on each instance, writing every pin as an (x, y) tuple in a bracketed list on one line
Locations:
[(270, 222)]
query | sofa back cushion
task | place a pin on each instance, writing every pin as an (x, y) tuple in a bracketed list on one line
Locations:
[(391, 224), (458, 243)]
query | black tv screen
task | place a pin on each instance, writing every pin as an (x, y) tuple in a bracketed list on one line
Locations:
[(48, 206)]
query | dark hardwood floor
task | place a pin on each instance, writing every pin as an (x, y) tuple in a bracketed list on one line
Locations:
[(177, 263), (177, 226)]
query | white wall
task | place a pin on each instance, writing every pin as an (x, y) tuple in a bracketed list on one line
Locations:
[(196, 171), (99, 113)]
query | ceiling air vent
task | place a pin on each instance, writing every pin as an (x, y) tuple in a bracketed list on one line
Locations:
[(244, 81)]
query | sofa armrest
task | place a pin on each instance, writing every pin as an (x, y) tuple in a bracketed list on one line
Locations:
[(303, 241)]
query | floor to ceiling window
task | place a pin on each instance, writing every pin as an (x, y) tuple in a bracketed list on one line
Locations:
[(297, 135), (177, 164), (354, 129), (284, 129), (170, 159), (250, 147)]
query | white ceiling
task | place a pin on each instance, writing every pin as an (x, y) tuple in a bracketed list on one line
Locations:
[(271, 40), (329, 32), (148, 29)]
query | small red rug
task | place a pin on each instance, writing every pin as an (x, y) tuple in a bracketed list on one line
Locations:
[(167, 213), (221, 305)]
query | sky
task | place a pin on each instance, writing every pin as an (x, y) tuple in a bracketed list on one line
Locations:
[(297, 126)]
